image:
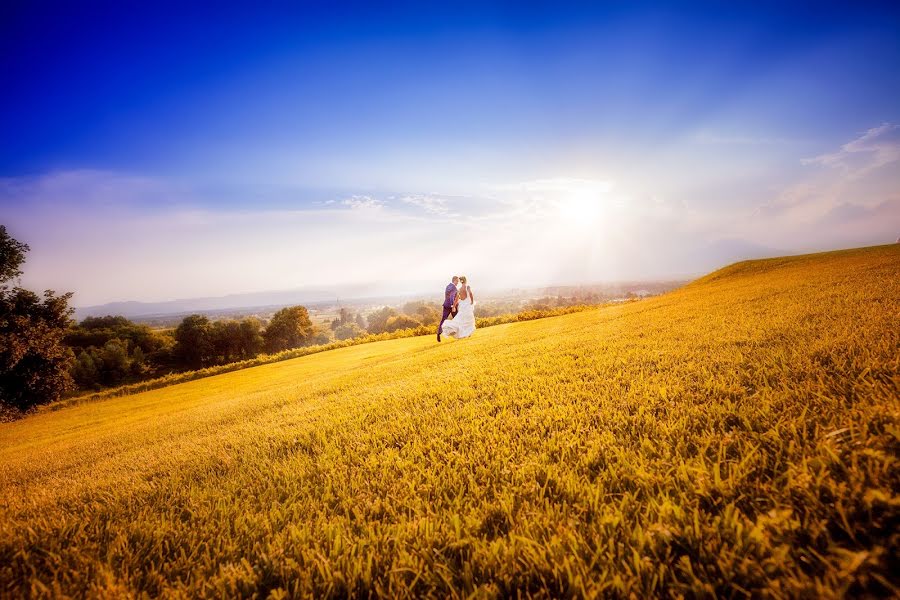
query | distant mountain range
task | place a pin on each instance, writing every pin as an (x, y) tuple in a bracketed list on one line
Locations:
[(703, 259), (306, 296)]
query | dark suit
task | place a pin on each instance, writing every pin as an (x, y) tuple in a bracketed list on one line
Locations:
[(449, 298)]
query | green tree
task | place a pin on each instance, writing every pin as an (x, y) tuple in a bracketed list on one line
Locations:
[(399, 322), (251, 341), (235, 340), (12, 255), (289, 328), (378, 319), (96, 331), (320, 337), (426, 313), (85, 371), (193, 342), (116, 362), (34, 361), (107, 322), (225, 337), (349, 331), (138, 362), (163, 358)]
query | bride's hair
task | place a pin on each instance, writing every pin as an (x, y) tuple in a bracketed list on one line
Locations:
[(463, 279)]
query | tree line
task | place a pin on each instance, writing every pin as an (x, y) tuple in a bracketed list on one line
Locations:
[(44, 354), (113, 350)]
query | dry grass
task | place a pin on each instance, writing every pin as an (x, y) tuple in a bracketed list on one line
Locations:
[(737, 437), (265, 359)]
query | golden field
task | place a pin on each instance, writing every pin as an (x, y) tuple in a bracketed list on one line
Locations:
[(737, 437)]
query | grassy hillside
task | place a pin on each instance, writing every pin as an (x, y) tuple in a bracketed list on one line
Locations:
[(739, 436)]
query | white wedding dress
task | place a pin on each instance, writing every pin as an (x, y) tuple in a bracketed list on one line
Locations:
[(463, 324)]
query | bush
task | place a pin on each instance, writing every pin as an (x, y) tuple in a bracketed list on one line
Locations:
[(424, 312), (349, 331), (399, 322)]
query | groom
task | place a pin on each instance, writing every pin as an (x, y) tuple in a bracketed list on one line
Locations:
[(449, 299)]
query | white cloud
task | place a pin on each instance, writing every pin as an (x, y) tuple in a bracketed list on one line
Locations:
[(106, 249), (110, 236), (89, 187), (363, 203), (430, 203), (849, 202), (877, 147)]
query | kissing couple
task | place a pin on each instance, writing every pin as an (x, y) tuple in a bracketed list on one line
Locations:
[(459, 304)]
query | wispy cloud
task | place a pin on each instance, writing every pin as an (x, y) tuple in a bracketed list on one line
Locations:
[(430, 203), (363, 203), (877, 147), (850, 199), (90, 187), (162, 240), (795, 195)]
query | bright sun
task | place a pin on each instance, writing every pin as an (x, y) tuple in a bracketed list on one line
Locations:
[(581, 208)]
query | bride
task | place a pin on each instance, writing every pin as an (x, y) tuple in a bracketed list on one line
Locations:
[(463, 324)]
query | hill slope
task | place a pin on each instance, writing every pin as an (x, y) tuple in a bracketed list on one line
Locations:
[(736, 436)]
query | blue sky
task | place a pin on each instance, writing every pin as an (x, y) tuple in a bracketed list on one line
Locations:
[(161, 152)]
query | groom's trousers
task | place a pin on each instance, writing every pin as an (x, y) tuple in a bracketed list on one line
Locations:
[(448, 310)]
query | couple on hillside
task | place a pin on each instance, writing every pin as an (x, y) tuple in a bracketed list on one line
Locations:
[(460, 304)]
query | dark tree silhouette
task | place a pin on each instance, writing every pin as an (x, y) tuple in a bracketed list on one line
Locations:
[(34, 361), (12, 255), (194, 342)]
